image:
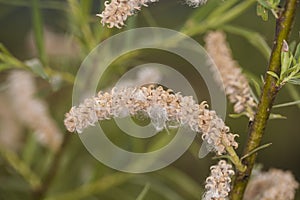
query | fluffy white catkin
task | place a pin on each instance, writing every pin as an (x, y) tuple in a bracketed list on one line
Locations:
[(32, 111), (236, 84), (162, 107), (116, 12), (195, 3), (274, 184), (217, 185)]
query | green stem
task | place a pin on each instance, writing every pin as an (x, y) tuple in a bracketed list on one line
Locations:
[(235, 159), (38, 30), (40, 192), (270, 90), (21, 167)]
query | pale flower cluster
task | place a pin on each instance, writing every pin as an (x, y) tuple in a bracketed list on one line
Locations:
[(236, 84), (116, 12), (163, 107), (274, 184), (195, 3), (33, 112), (218, 183), (10, 129)]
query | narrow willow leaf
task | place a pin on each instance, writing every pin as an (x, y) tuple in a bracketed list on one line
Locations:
[(292, 103), (256, 150), (277, 116), (252, 37), (273, 74), (83, 192), (218, 10), (292, 46), (297, 53), (265, 4), (237, 115), (292, 70), (262, 12), (181, 181), (144, 192), (285, 63), (294, 81), (293, 92), (49, 4), (36, 66)]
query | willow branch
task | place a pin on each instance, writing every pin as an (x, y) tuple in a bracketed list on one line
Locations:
[(270, 90)]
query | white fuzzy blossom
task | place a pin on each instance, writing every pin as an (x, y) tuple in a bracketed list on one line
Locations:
[(162, 106), (116, 12), (274, 184), (235, 82), (218, 183), (195, 3), (31, 111)]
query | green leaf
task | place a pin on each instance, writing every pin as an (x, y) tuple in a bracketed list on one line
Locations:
[(181, 181), (297, 53), (291, 72), (277, 116), (83, 192), (294, 92), (237, 115), (49, 4), (273, 74), (256, 150), (36, 66), (286, 61), (22, 168), (38, 26), (262, 12), (265, 4), (292, 103), (294, 81), (292, 46), (252, 37), (144, 192)]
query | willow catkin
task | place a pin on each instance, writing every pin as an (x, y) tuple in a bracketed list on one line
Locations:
[(116, 12), (274, 184), (163, 107), (236, 84), (10, 128), (195, 3), (32, 111), (217, 185)]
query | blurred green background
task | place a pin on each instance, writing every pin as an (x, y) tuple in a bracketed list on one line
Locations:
[(77, 175)]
